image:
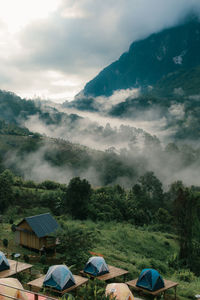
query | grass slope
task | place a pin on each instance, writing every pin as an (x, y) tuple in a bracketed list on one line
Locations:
[(124, 246), (131, 248)]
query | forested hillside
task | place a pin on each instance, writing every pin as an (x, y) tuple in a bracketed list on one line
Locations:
[(112, 155)]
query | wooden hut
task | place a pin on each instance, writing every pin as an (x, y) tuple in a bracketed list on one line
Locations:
[(34, 232)]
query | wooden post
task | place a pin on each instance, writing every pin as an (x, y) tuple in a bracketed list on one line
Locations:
[(164, 295), (35, 296), (175, 291)]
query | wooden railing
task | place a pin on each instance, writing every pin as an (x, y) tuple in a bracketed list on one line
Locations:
[(36, 295)]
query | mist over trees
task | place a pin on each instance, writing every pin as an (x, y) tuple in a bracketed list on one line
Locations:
[(111, 155)]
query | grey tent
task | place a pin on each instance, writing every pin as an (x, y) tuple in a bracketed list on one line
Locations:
[(4, 264), (96, 266), (59, 277)]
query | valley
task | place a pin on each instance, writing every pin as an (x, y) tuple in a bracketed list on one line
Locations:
[(118, 166)]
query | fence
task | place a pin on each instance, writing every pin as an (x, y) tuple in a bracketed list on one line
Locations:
[(36, 296)]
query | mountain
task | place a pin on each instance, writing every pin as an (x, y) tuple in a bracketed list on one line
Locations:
[(165, 67), (167, 54), (15, 110)]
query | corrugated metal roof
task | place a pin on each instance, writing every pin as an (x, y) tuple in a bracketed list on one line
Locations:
[(42, 225)]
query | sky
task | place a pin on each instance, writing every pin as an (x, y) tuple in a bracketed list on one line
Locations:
[(51, 48)]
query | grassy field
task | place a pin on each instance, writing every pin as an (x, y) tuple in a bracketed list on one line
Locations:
[(122, 245)]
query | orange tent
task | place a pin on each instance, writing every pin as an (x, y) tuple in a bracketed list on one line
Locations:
[(119, 290), (11, 291)]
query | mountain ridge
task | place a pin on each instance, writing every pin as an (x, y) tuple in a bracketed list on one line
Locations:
[(148, 60)]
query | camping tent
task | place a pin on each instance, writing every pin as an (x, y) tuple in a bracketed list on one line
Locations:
[(119, 290), (150, 279), (4, 264), (59, 277), (11, 291), (96, 266)]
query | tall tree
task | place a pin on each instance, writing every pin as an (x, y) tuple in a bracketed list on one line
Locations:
[(77, 197), (185, 220), (152, 188), (6, 195)]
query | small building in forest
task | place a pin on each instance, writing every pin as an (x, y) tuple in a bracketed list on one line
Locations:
[(35, 232)]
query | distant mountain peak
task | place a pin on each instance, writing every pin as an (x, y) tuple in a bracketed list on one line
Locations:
[(150, 59), (192, 17)]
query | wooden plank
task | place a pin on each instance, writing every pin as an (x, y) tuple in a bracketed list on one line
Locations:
[(113, 272), (12, 271), (38, 283), (168, 285)]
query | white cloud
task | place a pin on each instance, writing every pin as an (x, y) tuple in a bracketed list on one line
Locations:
[(74, 39), (17, 14), (177, 111)]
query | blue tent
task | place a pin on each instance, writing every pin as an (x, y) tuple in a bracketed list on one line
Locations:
[(150, 279), (59, 277), (96, 266), (4, 264)]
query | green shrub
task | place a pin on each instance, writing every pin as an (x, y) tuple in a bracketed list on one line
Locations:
[(13, 227), (67, 297), (173, 261), (45, 269), (30, 184), (94, 290), (166, 243), (159, 266), (185, 275), (26, 258), (24, 277), (43, 259), (49, 185), (75, 243), (5, 243), (142, 264), (12, 211)]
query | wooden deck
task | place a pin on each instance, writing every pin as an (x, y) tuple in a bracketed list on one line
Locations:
[(168, 285), (38, 284), (113, 272), (12, 271)]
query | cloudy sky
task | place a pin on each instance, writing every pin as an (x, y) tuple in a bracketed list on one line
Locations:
[(51, 48)]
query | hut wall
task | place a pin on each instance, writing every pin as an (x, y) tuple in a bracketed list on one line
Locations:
[(28, 238)]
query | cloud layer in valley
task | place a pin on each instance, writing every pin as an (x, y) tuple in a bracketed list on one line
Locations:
[(125, 145), (53, 52)]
